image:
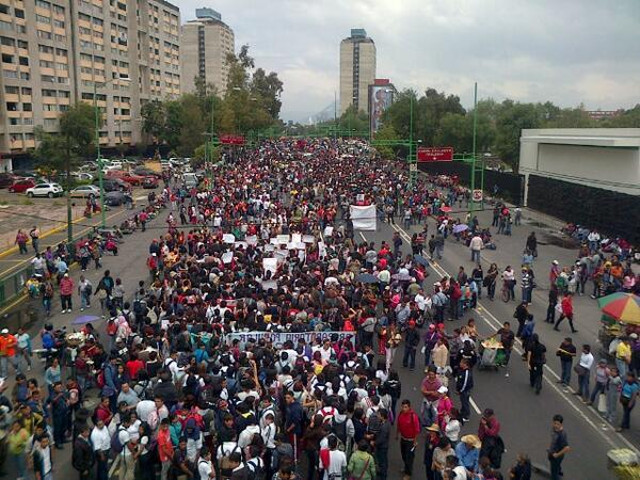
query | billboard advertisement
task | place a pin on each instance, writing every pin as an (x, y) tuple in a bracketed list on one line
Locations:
[(226, 139), (380, 98), (435, 154)]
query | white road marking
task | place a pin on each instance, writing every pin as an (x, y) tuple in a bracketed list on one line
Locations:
[(494, 322), (475, 406)]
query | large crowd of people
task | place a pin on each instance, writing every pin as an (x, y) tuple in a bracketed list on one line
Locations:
[(267, 339)]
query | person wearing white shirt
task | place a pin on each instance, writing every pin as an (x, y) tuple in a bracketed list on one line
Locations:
[(205, 467), (268, 431), (475, 245), (101, 441), (246, 436), (337, 461), (226, 449), (584, 372)]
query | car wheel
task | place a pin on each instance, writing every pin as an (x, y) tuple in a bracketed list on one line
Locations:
[(50, 194), (30, 194)]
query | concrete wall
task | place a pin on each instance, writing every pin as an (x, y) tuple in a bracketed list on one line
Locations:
[(603, 158)]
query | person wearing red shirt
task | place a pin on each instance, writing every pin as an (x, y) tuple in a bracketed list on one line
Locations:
[(408, 429), (134, 365), (489, 435), (103, 412), (165, 448), (66, 290)]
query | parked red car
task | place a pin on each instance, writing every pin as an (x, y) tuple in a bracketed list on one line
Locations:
[(150, 182), (21, 186), (131, 178)]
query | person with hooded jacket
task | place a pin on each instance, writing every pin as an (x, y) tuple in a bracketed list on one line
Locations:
[(536, 359)]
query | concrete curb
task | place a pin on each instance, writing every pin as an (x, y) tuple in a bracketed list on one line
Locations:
[(48, 233)]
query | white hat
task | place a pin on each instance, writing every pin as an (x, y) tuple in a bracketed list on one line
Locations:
[(555, 262), (443, 389), (5, 330), (634, 336)]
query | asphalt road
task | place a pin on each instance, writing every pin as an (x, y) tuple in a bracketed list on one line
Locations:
[(525, 417)]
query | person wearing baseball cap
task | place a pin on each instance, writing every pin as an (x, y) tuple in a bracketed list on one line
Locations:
[(8, 344)]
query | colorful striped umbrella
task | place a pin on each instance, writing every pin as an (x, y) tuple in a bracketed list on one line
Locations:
[(624, 307)]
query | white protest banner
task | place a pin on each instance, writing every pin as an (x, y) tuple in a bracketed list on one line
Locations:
[(227, 257), (322, 250), (282, 254), (296, 238), (283, 239), (269, 248), (269, 284), (244, 245), (277, 337), (301, 246), (364, 218), (270, 265), (252, 240), (328, 231), (308, 239), (228, 238)]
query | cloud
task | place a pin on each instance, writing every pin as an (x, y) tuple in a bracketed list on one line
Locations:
[(568, 52)]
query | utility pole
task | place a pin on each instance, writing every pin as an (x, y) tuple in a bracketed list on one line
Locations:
[(335, 115), (477, 169)]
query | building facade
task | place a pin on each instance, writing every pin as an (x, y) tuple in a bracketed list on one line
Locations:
[(206, 42), (357, 70), (56, 52)]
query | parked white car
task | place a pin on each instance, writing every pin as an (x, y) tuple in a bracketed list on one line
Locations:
[(85, 191), (45, 190), (82, 175)]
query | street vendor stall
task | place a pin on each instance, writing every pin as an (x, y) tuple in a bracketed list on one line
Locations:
[(620, 318)]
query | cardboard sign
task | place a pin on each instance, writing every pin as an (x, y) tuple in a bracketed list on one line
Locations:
[(270, 265), (308, 239), (228, 238), (227, 257), (328, 231), (282, 239), (296, 238)]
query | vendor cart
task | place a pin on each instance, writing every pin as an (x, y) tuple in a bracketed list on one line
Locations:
[(492, 354)]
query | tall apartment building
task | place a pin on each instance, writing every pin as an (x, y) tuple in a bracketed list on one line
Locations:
[(55, 51), (206, 42), (357, 69)]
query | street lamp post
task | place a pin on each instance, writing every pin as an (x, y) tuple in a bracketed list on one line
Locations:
[(103, 214)]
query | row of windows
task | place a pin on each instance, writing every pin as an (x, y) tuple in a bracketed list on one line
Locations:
[(55, 93), (11, 42), (48, 21), (51, 36), (7, 58), (51, 107), (15, 107), (89, 19), (18, 12), (92, 58), (20, 121), (14, 74), (52, 79), (13, 90), (59, 52)]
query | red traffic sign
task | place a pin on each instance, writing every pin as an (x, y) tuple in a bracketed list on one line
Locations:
[(435, 154)]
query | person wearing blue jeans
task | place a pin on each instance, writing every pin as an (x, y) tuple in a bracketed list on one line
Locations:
[(411, 341), (559, 447), (566, 351), (583, 369)]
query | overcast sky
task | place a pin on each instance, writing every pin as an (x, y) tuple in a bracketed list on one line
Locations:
[(565, 51)]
